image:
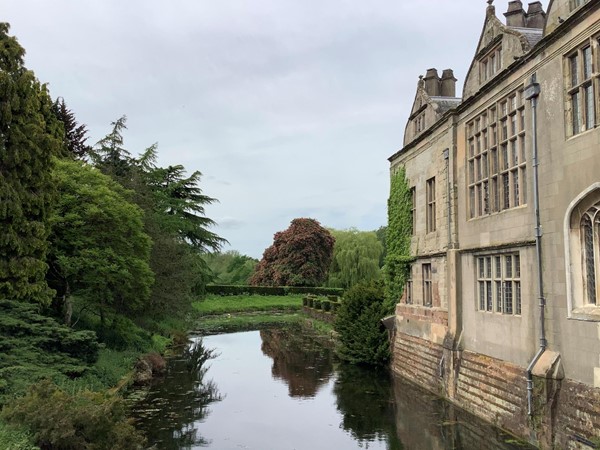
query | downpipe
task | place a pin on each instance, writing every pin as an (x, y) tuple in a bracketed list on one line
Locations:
[(532, 92)]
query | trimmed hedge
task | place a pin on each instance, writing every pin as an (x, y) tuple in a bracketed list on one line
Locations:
[(222, 289)]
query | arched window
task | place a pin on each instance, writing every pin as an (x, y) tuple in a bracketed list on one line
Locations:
[(582, 255), (589, 245)]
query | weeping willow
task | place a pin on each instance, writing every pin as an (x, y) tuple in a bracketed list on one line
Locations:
[(356, 257)]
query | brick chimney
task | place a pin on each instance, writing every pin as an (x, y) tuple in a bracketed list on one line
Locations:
[(448, 83), (432, 83), (515, 16), (536, 17)]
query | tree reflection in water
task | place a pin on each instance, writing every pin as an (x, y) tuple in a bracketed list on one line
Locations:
[(300, 360), (365, 399), (178, 401)]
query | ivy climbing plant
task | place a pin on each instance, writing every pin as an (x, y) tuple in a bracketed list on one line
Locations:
[(399, 232)]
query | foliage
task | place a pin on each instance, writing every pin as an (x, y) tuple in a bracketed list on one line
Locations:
[(29, 137), (175, 219), (299, 256), (230, 267), (99, 249), (399, 232), (33, 346), (214, 304), (89, 420), (356, 256), (75, 135), (15, 438), (363, 340), (218, 289), (381, 234)]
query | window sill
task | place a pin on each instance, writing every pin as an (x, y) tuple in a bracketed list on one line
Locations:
[(589, 313)]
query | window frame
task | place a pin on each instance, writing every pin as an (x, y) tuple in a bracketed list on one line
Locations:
[(579, 304), (496, 154), (499, 284), (427, 285), (581, 86), (490, 64), (430, 211)]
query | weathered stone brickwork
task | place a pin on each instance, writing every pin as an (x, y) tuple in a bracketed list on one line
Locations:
[(577, 415), (419, 360), (494, 390)]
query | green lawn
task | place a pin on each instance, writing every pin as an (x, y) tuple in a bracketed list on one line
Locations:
[(215, 304)]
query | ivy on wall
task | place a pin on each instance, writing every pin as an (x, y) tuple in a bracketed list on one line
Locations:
[(399, 232)]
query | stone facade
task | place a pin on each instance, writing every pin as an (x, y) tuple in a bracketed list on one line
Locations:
[(469, 325)]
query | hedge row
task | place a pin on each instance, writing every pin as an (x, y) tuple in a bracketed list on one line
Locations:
[(222, 289), (331, 304)]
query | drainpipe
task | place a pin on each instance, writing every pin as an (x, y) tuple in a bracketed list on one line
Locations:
[(532, 91), (448, 190)]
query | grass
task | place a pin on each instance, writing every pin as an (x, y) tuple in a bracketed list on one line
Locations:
[(215, 304)]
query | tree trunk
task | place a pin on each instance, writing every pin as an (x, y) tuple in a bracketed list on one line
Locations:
[(67, 305)]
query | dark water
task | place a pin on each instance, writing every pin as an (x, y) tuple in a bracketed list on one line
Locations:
[(282, 390)]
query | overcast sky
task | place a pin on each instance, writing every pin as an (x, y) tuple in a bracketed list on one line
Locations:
[(289, 108)]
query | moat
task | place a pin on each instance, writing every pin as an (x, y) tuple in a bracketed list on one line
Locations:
[(282, 389)]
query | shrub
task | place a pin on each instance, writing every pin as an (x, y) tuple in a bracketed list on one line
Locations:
[(220, 289), (326, 305), (317, 303), (363, 340), (60, 421)]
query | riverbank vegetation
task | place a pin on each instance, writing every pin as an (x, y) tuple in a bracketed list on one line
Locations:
[(105, 256), (101, 255)]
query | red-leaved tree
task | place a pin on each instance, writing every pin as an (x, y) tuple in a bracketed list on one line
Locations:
[(299, 256)]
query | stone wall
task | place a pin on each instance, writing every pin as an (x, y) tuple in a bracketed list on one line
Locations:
[(566, 412), (418, 359)]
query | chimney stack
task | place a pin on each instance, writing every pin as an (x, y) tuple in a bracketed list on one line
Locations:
[(448, 83), (536, 17), (515, 16), (432, 83)]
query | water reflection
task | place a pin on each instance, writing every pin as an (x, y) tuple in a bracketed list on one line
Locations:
[(301, 361), (284, 390), (168, 411), (365, 399)]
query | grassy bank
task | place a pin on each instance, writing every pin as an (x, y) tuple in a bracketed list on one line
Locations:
[(233, 313), (215, 304)]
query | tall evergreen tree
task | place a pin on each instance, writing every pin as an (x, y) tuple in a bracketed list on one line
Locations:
[(29, 136), (75, 136)]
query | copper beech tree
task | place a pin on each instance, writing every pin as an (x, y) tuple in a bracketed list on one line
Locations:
[(299, 256)]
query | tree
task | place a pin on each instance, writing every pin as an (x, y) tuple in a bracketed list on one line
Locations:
[(174, 217), (99, 249), (299, 256), (381, 233), (356, 257), (29, 137), (75, 135), (230, 267), (363, 340)]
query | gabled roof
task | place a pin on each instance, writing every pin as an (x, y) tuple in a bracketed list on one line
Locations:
[(445, 103), (532, 35)]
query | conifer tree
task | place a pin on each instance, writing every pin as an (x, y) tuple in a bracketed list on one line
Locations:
[(75, 135), (29, 137)]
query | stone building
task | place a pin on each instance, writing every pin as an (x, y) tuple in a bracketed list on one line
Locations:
[(501, 314)]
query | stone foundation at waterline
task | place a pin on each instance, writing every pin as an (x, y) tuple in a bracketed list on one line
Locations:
[(567, 413)]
